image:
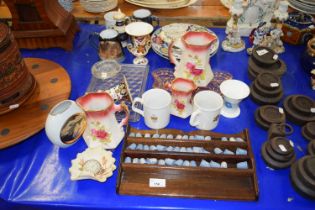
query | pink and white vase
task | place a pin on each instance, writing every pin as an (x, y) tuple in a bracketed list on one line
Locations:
[(182, 90), (195, 60), (102, 130)]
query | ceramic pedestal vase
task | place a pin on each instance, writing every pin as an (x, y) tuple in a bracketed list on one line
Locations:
[(102, 130), (194, 63)]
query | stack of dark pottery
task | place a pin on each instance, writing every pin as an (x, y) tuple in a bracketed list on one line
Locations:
[(303, 176), (311, 148), (278, 153), (299, 109), (264, 59), (308, 131), (269, 114), (266, 89)]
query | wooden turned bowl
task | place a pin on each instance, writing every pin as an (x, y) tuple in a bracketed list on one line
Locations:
[(268, 81), (311, 148), (17, 84)]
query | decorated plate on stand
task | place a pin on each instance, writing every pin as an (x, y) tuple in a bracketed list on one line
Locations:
[(164, 36)]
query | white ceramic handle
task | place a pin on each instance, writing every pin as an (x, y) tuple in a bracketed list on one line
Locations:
[(135, 109), (194, 118)]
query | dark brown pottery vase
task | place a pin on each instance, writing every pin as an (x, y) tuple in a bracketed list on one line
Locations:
[(16, 83)]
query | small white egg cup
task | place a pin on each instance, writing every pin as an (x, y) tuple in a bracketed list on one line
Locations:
[(234, 91)]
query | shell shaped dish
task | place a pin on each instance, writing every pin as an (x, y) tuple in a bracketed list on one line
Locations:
[(94, 163)]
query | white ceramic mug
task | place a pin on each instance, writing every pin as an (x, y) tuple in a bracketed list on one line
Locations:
[(156, 108), (207, 107), (65, 123)]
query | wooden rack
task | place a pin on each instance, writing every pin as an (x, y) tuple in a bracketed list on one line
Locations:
[(193, 182)]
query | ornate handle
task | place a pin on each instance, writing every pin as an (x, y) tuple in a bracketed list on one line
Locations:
[(122, 107), (135, 109), (193, 119), (172, 59)]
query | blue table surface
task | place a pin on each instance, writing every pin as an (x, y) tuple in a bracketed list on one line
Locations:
[(35, 173)]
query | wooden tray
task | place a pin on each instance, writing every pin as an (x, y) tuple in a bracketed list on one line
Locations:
[(53, 86), (191, 182)]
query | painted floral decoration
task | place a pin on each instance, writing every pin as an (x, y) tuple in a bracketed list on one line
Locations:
[(180, 106), (98, 132)]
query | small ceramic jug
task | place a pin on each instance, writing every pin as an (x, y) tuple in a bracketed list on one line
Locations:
[(182, 90), (194, 63), (102, 130)]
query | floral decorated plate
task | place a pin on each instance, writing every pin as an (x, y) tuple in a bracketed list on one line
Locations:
[(164, 36)]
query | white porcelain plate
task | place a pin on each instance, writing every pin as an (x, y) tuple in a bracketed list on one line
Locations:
[(178, 5), (164, 36)]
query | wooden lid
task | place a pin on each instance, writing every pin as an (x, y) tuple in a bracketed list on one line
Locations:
[(264, 56), (268, 81), (272, 114), (278, 68), (303, 104), (293, 115), (308, 131), (281, 145)]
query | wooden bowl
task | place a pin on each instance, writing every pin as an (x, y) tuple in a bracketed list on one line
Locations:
[(268, 114)]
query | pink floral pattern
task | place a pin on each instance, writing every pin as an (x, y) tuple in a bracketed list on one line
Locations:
[(193, 70)]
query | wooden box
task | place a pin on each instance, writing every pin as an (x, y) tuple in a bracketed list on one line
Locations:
[(193, 182)]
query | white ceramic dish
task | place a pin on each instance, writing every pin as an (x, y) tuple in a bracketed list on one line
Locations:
[(65, 123), (164, 36), (94, 163)]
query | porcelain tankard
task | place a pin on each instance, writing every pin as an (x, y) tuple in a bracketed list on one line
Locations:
[(102, 130)]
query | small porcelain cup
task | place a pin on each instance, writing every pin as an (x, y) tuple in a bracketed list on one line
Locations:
[(65, 123), (182, 90), (234, 91), (145, 15), (207, 107), (156, 108), (109, 19)]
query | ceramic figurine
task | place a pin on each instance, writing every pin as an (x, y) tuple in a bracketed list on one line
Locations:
[(120, 24), (194, 63), (140, 41), (93, 163), (102, 130), (255, 12), (257, 36), (274, 39), (233, 42)]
